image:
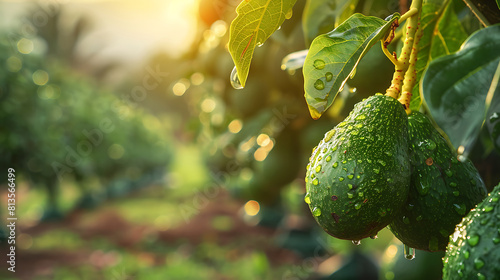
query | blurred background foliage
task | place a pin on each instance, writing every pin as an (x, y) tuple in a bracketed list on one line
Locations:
[(161, 170)]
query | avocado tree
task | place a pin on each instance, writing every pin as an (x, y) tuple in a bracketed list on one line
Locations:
[(401, 158)]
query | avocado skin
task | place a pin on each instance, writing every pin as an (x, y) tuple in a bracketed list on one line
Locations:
[(442, 189), (359, 174), (474, 248)]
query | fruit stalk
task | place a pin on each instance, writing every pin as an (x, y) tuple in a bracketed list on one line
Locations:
[(403, 62), (411, 74)]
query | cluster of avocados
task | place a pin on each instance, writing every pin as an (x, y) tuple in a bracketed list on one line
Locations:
[(381, 167)]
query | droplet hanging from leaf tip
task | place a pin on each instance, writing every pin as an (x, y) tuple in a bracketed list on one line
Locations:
[(235, 80), (289, 14), (409, 252)]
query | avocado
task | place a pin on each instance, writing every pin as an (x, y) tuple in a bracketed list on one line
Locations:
[(474, 248), (359, 174), (442, 189)]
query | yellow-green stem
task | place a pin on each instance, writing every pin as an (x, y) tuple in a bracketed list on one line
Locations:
[(410, 77), (403, 62)]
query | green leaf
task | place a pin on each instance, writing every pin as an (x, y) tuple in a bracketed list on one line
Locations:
[(442, 35), (333, 57), (256, 21), (455, 86), (321, 16)]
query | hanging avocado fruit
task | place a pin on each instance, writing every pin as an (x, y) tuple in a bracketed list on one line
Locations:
[(359, 174), (474, 248), (442, 189)]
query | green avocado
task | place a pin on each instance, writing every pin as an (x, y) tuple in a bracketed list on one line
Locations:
[(474, 248), (359, 174), (442, 189)]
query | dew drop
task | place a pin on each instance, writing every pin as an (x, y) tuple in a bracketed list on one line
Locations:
[(377, 171), (460, 208), (235, 80), (473, 240), (315, 181), (328, 158), (478, 263), (341, 179), (431, 145), (409, 252), (360, 117), (488, 208), (360, 194), (382, 162), (466, 254), (319, 85), (307, 199), (335, 164), (316, 212), (496, 240), (453, 184), (349, 186), (350, 176), (289, 14), (328, 76), (318, 168), (356, 242), (423, 188), (350, 195), (449, 173), (406, 220), (319, 64), (357, 206)]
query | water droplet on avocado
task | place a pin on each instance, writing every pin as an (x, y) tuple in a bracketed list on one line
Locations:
[(377, 171), (448, 172), (409, 252), (496, 240), (430, 145), (360, 117), (460, 208), (350, 176), (328, 76), (350, 195), (356, 242), (235, 80), (456, 193), (453, 184), (319, 64), (360, 194), (359, 125), (335, 164), (357, 206), (307, 199), (419, 218), (318, 168), (406, 220), (423, 188), (488, 208), (466, 254), (341, 179), (328, 158), (319, 85), (381, 162), (480, 276), (315, 181), (316, 212), (478, 263), (473, 240)]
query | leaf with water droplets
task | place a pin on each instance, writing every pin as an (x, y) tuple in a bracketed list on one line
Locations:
[(333, 57), (256, 21)]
